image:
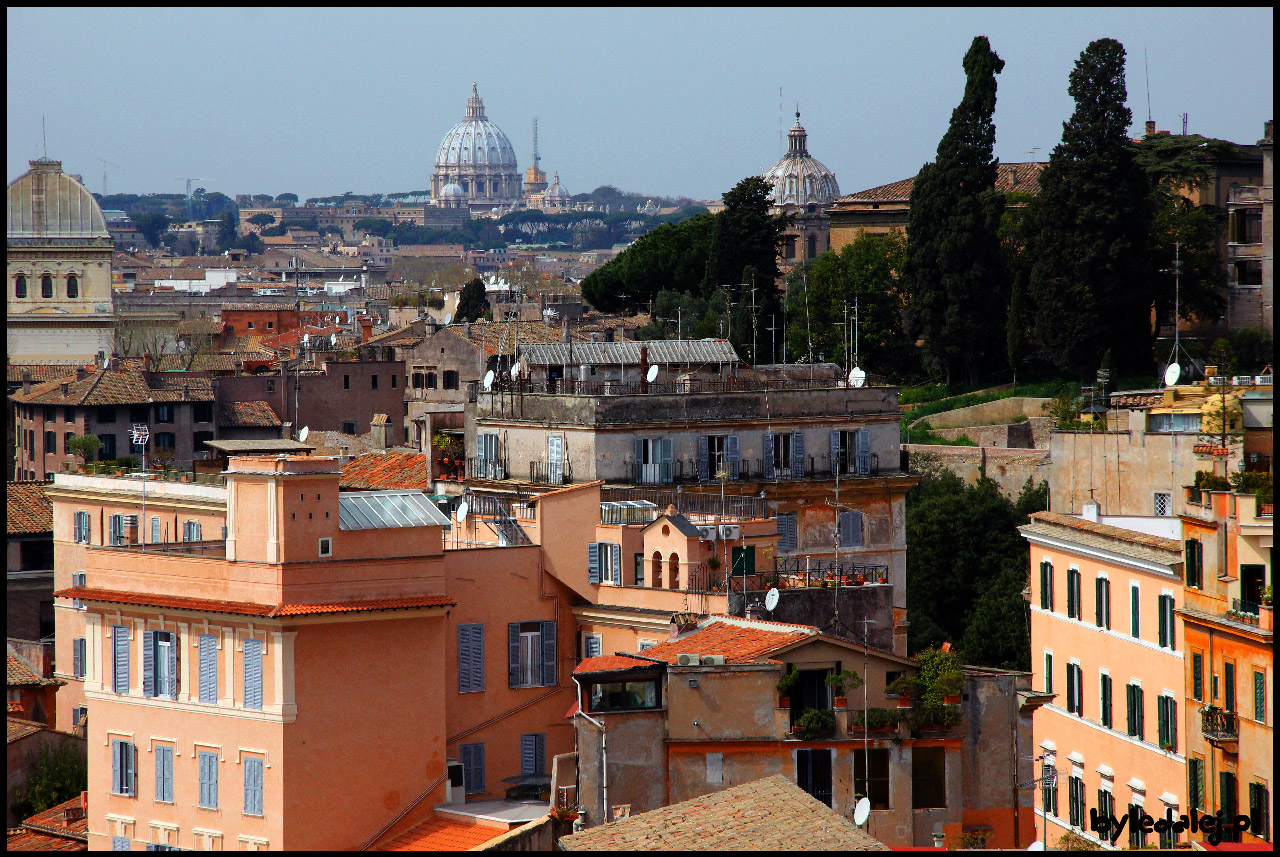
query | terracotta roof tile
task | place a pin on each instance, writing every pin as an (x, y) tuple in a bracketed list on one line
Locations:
[(54, 819), (442, 834), (387, 470), (127, 386), (22, 674), (1016, 177), (609, 663), (1119, 533), (741, 641), (206, 361), (770, 814), (240, 608), (191, 326), (19, 729), (27, 509), (247, 415), (42, 372), (31, 840)]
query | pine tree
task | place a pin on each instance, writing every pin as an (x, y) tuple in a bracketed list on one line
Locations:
[(1090, 277), (472, 303), (954, 271)]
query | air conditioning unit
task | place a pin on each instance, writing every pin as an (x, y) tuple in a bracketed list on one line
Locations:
[(455, 791), (730, 531), (713, 660), (1217, 381), (1242, 380), (688, 660), (707, 534), (1262, 380)]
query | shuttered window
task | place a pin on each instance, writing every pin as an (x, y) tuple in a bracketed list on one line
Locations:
[(78, 656), (742, 560), (604, 563), (164, 774), (1073, 593), (766, 456), (1260, 696), (124, 774), (1197, 676), (1167, 714), (533, 753), (191, 531), (797, 455), (80, 528), (121, 843), (208, 780), (253, 786), (1107, 808), (1229, 686), (160, 664), (120, 658), (253, 674), (1165, 607), (1048, 673), (155, 531), (1133, 710), (531, 654), (472, 758), (1195, 783), (593, 562), (1075, 802), (1135, 606), (1102, 603), (850, 529), (638, 569), (471, 658), (1104, 701), (117, 530), (1071, 689), (788, 536), (591, 645), (1046, 585), (78, 579), (1260, 811), (208, 653), (1193, 561)]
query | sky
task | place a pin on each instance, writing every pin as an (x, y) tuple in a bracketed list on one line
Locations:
[(661, 102)]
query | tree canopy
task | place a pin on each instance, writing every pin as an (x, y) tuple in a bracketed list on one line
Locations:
[(472, 303), (262, 219), (672, 257), (954, 268)]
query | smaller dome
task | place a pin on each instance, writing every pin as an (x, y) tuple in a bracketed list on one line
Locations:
[(556, 193), (45, 202), (452, 189), (799, 178)]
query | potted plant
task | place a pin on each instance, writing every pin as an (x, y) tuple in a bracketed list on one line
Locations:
[(843, 682), (815, 723), (1167, 747), (905, 687), (950, 685), (789, 682), (881, 719)]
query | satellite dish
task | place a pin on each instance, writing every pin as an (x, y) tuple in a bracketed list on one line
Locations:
[(333, 340), (1172, 374), (857, 377), (771, 603), (462, 511), (652, 374), (306, 339), (1036, 846), (448, 317), (515, 371), (861, 811), (488, 379), (302, 435)]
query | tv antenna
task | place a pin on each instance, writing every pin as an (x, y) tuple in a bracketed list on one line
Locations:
[(1146, 71), (536, 159), (107, 167)]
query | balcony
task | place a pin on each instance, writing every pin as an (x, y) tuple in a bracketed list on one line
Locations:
[(155, 474), (755, 470), (1220, 728)]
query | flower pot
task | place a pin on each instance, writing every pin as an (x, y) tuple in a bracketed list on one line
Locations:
[(951, 699), (841, 702), (784, 702), (904, 702), (1265, 617)]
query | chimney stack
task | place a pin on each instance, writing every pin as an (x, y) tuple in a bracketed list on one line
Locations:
[(564, 330), (26, 381), (1089, 511), (380, 432), (66, 389), (1151, 128), (146, 362), (366, 328), (80, 373), (1268, 129)]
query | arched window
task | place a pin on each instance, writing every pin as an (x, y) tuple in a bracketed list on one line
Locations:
[(673, 570), (46, 286), (656, 576), (73, 286), (20, 286)]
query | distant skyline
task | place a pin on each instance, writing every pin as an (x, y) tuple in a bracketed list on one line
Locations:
[(659, 102)]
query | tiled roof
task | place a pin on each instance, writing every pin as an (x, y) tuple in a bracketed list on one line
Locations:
[(1016, 177), (21, 674), (893, 191), (21, 839), (205, 361), (54, 819), (387, 470), (334, 442), (1129, 542), (246, 415), (126, 386), (1136, 400), (41, 372), (658, 351), (1210, 449), (770, 814), (442, 834), (240, 608), (190, 326), (19, 729), (609, 663), (27, 509), (744, 642)]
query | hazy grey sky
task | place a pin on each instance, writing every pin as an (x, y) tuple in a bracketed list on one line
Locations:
[(320, 101)]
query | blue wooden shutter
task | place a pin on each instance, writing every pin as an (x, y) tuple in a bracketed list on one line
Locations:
[(528, 754), (592, 646), (164, 773), (253, 673), (253, 786), (208, 780), (131, 769), (148, 663), (616, 550), (208, 668), (117, 767), (470, 658), (731, 454), (767, 456), (513, 655), (548, 653), (797, 454), (173, 665), (473, 767), (704, 458), (464, 660), (639, 447), (665, 455), (835, 452), (850, 529), (77, 658), (864, 451), (120, 672), (593, 562)]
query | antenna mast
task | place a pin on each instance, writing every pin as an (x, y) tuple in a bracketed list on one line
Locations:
[(536, 159), (1146, 71)]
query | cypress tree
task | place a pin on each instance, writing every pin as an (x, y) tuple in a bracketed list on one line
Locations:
[(954, 270), (1089, 278)]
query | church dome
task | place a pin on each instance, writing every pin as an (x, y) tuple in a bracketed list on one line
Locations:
[(452, 189), (555, 194), (476, 142), (45, 202), (799, 178)]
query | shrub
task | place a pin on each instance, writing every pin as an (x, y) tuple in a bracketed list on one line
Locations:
[(1207, 481), (84, 446), (816, 723), (844, 681), (55, 773), (789, 682)]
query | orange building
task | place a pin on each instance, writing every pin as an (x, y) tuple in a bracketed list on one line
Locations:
[(1107, 643), (1229, 700)]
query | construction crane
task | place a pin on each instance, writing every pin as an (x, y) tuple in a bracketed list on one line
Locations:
[(107, 167), (189, 181)]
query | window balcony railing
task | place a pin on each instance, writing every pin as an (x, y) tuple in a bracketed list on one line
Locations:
[(1219, 726), (542, 473)]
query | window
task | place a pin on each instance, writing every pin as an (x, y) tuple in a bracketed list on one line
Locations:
[(1135, 606), (120, 658), (1073, 593), (271, 325), (1229, 685), (20, 286), (1260, 696), (192, 531), (1046, 585), (471, 658), (1048, 672), (1167, 717), (1133, 711), (78, 654), (78, 714), (78, 579), (159, 664), (654, 460), (928, 777), (1049, 787), (637, 578), (450, 379), (431, 380), (417, 380), (46, 286), (202, 412), (252, 786), (326, 547), (66, 442), (591, 645), (253, 673), (374, 380), (164, 413), (1075, 802), (1075, 690), (1193, 559), (393, 382), (1102, 603), (73, 286), (1169, 838), (850, 451), (346, 382), (1106, 809), (1173, 422), (348, 427), (777, 458), (1260, 811), (250, 325), (80, 528), (1104, 701), (271, 386), (531, 654), (137, 414), (1165, 607), (1197, 676), (124, 773), (1160, 504), (166, 440), (1228, 803), (164, 774), (604, 563), (813, 773), (108, 451), (208, 780), (533, 753), (624, 695), (1137, 836), (716, 454), (849, 530), (208, 653), (788, 537), (472, 768), (487, 461), (875, 785), (51, 442)]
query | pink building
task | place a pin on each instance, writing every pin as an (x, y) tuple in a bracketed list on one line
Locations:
[(1107, 642)]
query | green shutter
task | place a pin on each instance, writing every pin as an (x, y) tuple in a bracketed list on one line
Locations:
[(1197, 676), (1229, 693), (1134, 608), (1260, 696)]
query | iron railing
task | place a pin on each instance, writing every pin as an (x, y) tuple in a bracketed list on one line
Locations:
[(689, 503), (215, 548), (1244, 608), (498, 509), (486, 468), (155, 474), (1219, 725), (542, 473)]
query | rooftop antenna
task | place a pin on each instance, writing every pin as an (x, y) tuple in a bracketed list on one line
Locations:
[(107, 166), (1185, 117), (1146, 71), (536, 159), (44, 138), (782, 134)]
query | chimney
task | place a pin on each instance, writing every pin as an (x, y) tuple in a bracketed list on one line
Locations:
[(80, 373), (99, 360), (622, 331), (1089, 511), (564, 330), (755, 611), (66, 389), (380, 432), (26, 381), (366, 328), (1151, 128), (1268, 129), (146, 362)]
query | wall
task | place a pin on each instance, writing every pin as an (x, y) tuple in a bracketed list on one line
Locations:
[(1008, 468), (17, 758), (999, 411), (817, 607), (636, 763), (1031, 434)]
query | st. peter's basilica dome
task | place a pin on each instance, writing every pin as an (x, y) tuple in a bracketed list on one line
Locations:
[(799, 178)]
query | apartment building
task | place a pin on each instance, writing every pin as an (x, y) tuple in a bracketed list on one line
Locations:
[(1108, 644), (1229, 699)]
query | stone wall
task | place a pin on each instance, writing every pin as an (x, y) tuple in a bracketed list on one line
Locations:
[(999, 411), (819, 607), (1030, 434), (1009, 468)]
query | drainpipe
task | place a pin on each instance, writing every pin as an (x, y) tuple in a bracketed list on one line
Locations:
[(604, 755)]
